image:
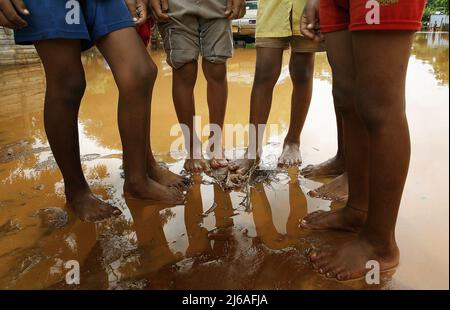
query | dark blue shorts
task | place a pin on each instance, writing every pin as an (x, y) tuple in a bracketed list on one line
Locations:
[(61, 19)]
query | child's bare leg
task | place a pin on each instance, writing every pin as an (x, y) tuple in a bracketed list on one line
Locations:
[(155, 171), (65, 88), (352, 217), (268, 68), (301, 67), (184, 80), (135, 74), (334, 166), (217, 94), (381, 104)]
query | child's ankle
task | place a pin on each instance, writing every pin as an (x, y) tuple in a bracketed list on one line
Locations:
[(72, 191), (291, 140)]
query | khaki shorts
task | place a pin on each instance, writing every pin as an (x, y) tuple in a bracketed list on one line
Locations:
[(298, 44), (197, 27)]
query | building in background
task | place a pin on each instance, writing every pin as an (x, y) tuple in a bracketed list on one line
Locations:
[(12, 54), (438, 22)]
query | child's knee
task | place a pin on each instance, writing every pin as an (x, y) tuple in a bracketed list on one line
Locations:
[(379, 109), (148, 72), (302, 70), (215, 72), (344, 95), (138, 78), (266, 73), (186, 74), (302, 74), (69, 88)]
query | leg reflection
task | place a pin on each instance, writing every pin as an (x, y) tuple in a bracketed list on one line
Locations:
[(223, 214), (148, 225), (197, 235), (298, 207), (262, 216)]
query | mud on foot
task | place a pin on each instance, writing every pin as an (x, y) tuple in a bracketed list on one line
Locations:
[(167, 178), (336, 190), (91, 209), (344, 219), (196, 166), (242, 166), (154, 192), (240, 169), (349, 261), (218, 163), (291, 155), (216, 159), (330, 168)]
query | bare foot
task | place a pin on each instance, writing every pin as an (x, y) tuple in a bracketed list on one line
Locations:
[(151, 190), (242, 166), (346, 219), (166, 177), (91, 209), (330, 168), (217, 157), (240, 170), (336, 190), (349, 261), (196, 165), (218, 163), (291, 155)]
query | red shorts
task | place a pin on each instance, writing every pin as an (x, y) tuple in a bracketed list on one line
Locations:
[(145, 31), (353, 15)]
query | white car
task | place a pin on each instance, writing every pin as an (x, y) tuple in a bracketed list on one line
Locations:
[(246, 26)]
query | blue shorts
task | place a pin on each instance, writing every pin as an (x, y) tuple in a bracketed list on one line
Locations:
[(85, 20)]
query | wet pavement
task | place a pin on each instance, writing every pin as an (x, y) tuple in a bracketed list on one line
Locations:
[(212, 242)]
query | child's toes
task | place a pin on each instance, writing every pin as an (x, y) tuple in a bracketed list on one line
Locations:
[(343, 276)]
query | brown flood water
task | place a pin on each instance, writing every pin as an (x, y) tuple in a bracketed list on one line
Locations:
[(212, 242)]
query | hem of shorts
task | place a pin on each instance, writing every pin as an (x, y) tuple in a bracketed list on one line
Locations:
[(44, 35), (333, 28), (262, 45), (308, 50), (273, 34), (111, 28), (388, 25), (294, 50)]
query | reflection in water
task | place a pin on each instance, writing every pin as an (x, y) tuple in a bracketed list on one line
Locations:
[(432, 48), (212, 241)]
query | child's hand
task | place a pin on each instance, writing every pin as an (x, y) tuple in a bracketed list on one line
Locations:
[(309, 23), (161, 7), (9, 14), (142, 11), (138, 10), (235, 9)]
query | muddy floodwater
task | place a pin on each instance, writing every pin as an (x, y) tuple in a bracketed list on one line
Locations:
[(212, 242)]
